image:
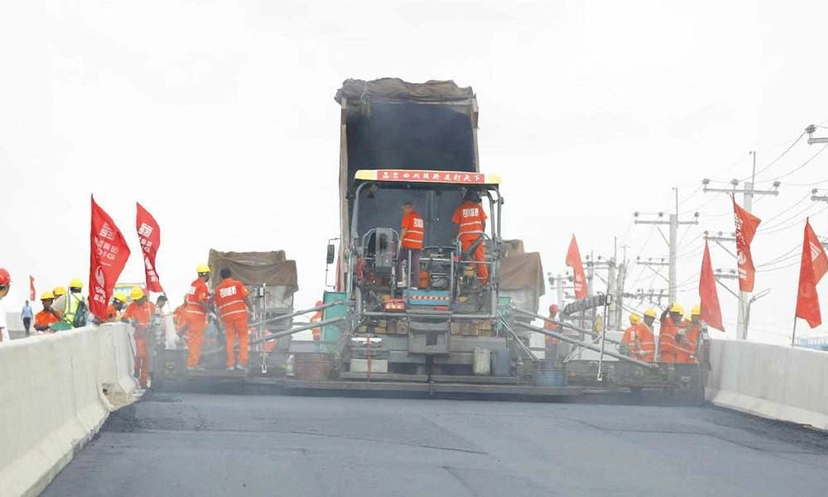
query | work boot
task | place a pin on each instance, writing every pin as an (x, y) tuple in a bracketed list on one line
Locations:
[(197, 367), (239, 367), (229, 368)]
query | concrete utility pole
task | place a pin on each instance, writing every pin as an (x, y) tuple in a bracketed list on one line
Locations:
[(748, 193), (672, 243), (616, 273)]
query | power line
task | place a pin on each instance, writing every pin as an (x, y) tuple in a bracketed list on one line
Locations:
[(803, 164), (774, 161)]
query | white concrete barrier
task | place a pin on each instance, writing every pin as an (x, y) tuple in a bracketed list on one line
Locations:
[(771, 381), (52, 400)]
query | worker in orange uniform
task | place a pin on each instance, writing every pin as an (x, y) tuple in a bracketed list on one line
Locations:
[(139, 313), (551, 343), (178, 317), (470, 221), (688, 338), (48, 315), (317, 332), (116, 308), (195, 315), (639, 336), (233, 302), (671, 322), (411, 243)]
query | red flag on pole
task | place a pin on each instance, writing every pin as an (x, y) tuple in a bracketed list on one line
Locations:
[(32, 292), (573, 260), (746, 224), (149, 233), (711, 311), (813, 267), (108, 256)]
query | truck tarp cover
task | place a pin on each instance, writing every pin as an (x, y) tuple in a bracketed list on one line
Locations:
[(519, 271), (256, 268), (397, 90)]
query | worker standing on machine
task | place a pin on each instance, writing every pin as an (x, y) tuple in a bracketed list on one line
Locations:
[(548, 324), (671, 322), (233, 301), (639, 336), (195, 315), (411, 243), (139, 313), (470, 221), (317, 332), (688, 338)]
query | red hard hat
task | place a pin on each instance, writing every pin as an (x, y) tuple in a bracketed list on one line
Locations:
[(554, 308), (5, 277)]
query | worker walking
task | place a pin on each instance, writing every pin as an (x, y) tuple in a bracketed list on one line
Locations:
[(195, 315), (688, 338), (233, 302), (411, 243), (139, 313), (48, 315), (470, 221), (671, 322)]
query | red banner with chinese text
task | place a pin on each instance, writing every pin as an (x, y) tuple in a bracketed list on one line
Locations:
[(32, 292), (108, 256), (149, 234), (813, 266), (746, 224)]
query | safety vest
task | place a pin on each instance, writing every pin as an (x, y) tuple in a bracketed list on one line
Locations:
[(646, 343), (198, 289), (667, 343), (70, 307), (230, 296), (415, 231), (469, 217), (316, 332)]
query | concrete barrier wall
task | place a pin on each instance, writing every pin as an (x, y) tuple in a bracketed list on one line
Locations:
[(771, 381), (56, 391)]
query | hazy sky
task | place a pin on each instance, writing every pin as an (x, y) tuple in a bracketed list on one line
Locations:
[(589, 110)]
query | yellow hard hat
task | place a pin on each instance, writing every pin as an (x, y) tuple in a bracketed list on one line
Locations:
[(47, 296), (676, 307), (650, 312), (635, 318), (76, 283), (696, 310), (120, 297), (136, 293), (203, 269), (58, 291)]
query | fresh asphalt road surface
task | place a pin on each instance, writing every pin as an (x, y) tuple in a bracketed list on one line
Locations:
[(233, 445)]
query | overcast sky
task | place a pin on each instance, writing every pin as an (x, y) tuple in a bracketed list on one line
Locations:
[(589, 110)]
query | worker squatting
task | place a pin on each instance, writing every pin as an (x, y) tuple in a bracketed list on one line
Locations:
[(677, 342)]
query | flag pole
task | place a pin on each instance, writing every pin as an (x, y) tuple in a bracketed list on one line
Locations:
[(793, 335)]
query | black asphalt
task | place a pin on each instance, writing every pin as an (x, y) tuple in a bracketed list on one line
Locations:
[(234, 445)]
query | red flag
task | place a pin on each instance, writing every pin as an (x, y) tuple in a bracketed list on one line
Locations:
[(813, 268), (32, 292), (746, 224), (108, 256), (573, 260), (149, 233), (711, 311)]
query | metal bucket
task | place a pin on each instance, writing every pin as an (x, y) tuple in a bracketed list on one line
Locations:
[(312, 366), (549, 374)]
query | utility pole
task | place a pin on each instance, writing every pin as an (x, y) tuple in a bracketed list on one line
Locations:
[(673, 222), (748, 193)]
